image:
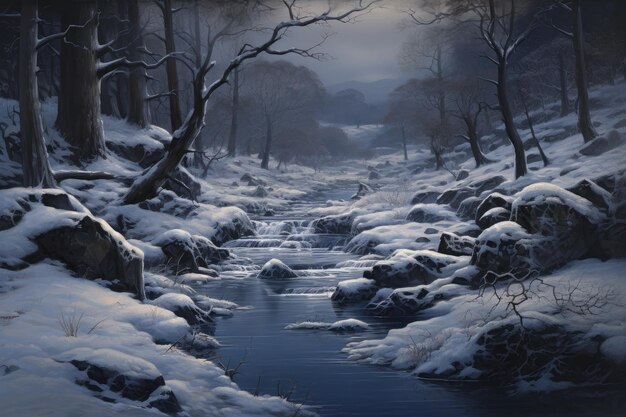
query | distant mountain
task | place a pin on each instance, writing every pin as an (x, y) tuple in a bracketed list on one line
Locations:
[(375, 92)]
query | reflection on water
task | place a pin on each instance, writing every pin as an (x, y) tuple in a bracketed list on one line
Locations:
[(311, 363)]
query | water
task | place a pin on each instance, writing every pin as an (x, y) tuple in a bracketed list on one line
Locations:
[(309, 366)]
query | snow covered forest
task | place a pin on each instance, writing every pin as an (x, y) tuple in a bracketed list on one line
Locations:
[(313, 208)]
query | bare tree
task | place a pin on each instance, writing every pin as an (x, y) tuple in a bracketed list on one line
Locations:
[(281, 91), (148, 183), (78, 118), (585, 125), (470, 103), (137, 109)]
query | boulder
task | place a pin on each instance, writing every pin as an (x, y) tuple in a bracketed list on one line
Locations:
[(452, 244), (252, 181), (488, 184), (411, 300), (183, 184), (427, 213), (601, 144), (183, 307), (493, 200), (373, 175), (405, 268), (467, 208), (593, 192), (493, 216), (354, 290), (139, 153), (275, 269), (185, 252), (533, 157), (166, 201), (260, 192), (92, 249), (462, 175), (425, 197), (140, 381), (339, 224), (454, 196)]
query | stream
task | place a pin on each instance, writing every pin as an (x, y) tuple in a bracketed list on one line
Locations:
[(308, 365)]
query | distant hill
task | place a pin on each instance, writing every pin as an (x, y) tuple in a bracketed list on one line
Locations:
[(376, 92)]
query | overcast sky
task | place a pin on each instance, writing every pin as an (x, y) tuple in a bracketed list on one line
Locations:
[(366, 50)]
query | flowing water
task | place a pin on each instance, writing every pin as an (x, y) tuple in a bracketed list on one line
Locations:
[(309, 365)]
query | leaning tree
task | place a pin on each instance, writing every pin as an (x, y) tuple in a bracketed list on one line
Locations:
[(148, 183)]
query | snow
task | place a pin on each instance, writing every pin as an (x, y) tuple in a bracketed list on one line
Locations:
[(347, 325)]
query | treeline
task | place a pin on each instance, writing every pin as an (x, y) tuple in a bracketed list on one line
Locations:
[(482, 62)]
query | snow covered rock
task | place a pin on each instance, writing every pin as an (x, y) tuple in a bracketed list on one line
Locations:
[(340, 224), (493, 200), (183, 184), (452, 244), (347, 325), (276, 269), (602, 144), (373, 175), (467, 208), (184, 307), (252, 181), (425, 197), (428, 213), (480, 186), (185, 252), (91, 248), (363, 190), (406, 267), (354, 290), (407, 301), (493, 216), (454, 196), (128, 376), (462, 175), (593, 192), (144, 153), (260, 192)]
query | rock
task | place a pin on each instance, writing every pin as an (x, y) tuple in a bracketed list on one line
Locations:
[(533, 157), (451, 244), (187, 253), (92, 249), (489, 184), (462, 174), (431, 231), (601, 144), (354, 290), (427, 213), (183, 184), (454, 196), (143, 155), (592, 192), (373, 175), (569, 222), (234, 184), (339, 224), (275, 269), (408, 301), (363, 190), (183, 307), (425, 197), (467, 208), (406, 267), (493, 216), (252, 181), (260, 192), (493, 200), (168, 202), (104, 367)]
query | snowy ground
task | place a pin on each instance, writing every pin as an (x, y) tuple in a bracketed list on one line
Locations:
[(125, 333)]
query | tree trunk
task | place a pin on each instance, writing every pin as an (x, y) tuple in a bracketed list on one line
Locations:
[(35, 166), (232, 137), (170, 66), (406, 156), (268, 144), (544, 158), (472, 137), (584, 117), (442, 91), (109, 29), (137, 109), (565, 107), (78, 119), (509, 123)]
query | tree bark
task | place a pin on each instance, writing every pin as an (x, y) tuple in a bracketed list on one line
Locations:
[(584, 116), (170, 66), (35, 166), (509, 124), (565, 105), (232, 136), (137, 109), (268, 143), (472, 138), (78, 119)]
